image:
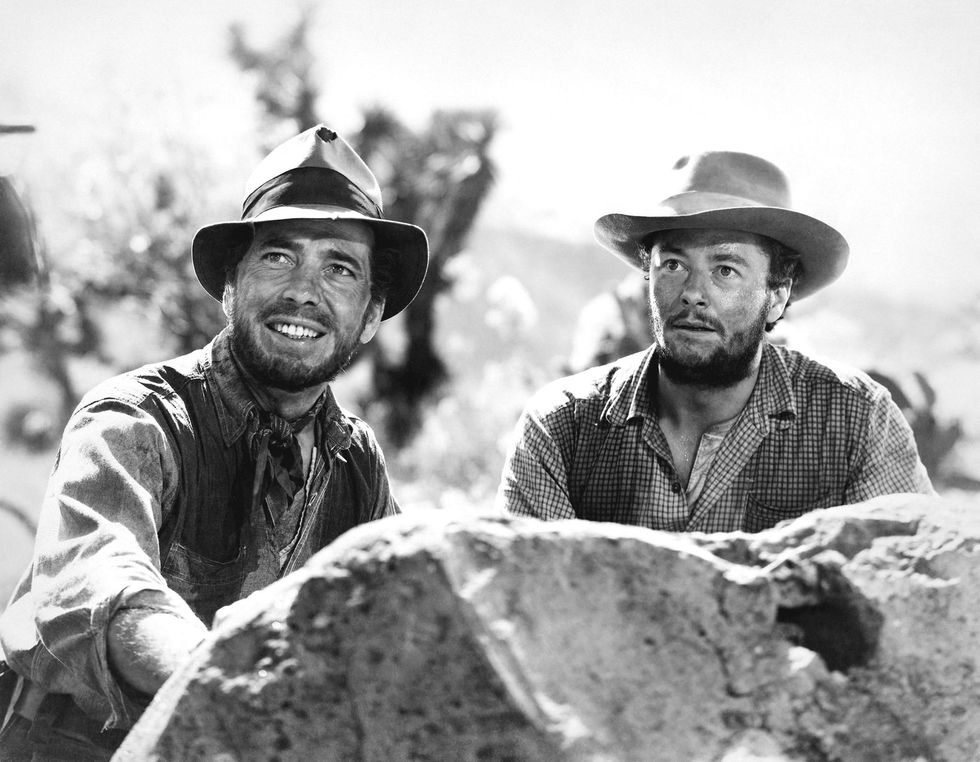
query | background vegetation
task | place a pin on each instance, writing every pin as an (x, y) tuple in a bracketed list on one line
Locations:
[(444, 383)]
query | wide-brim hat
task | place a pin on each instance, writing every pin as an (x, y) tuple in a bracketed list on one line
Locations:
[(732, 191), (315, 175)]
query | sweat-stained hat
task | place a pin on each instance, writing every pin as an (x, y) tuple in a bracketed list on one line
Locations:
[(315, 175), (732, 191)]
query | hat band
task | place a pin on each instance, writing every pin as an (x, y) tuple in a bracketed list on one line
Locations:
[(311, 186)]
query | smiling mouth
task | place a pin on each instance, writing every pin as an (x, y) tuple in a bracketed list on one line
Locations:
[(294, 332)]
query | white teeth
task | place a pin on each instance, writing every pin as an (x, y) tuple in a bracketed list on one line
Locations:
[(294, 331)]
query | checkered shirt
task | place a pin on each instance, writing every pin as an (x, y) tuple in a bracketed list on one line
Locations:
[(589, 447)]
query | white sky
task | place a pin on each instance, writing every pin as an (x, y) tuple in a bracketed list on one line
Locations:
[(871, 107)]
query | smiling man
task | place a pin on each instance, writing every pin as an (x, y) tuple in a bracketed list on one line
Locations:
[(182, 487), (713, 428)]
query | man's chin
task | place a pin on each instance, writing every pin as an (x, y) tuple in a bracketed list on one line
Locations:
[(708, 371), (288, 380), (271, 362), (687, 356)]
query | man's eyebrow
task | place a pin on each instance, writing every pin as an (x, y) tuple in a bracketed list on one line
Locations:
[(347, 258), (728, 256), (279, 242)]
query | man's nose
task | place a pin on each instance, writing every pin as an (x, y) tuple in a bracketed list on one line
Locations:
[(695, 290), (303, 286)]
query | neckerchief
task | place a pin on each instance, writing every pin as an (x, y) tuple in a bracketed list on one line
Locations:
[(275, 449)]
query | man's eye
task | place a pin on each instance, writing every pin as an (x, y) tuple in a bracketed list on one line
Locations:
[(670, 265), (275, 257), (339, 269), (726, 272)]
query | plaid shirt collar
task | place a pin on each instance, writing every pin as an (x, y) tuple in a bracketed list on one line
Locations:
[(631, 394), (235, 403)]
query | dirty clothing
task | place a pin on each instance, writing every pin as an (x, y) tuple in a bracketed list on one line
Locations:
[(590, 447), (57, 731), (151, 507)]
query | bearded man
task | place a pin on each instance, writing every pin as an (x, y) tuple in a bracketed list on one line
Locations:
[(713, 428), (184, 486)]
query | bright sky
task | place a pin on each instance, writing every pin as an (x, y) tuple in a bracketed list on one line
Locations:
[(871, 107)]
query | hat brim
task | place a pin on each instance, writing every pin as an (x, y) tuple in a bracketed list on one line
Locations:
[(217, 247), (823, 251)]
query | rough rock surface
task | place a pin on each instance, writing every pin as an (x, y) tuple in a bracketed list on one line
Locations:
[(848, 634)]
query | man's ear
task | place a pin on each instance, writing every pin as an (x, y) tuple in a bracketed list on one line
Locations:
[(227, 297), (372, 320), (779, 299)]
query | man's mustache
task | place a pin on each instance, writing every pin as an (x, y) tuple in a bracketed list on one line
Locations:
[(282, 308), (695, 318)]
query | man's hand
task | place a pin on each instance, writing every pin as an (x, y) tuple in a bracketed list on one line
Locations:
[(145, 646)]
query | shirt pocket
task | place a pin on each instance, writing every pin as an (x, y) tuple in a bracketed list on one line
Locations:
[(763, 511), (205, 584)]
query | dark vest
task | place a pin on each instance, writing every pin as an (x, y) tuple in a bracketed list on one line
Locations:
[(214, 548)]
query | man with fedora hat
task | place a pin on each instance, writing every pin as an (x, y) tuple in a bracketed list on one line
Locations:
[(184, 486), (713, 428)]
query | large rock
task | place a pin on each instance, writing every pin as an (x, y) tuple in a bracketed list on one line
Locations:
[(848, 634)]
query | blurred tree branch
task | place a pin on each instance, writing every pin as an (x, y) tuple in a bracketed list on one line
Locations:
[(437, 179), (34, 308), (20, 514), (143, 231), (132, 221), (284, 83)]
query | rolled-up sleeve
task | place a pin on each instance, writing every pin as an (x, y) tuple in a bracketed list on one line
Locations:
[(888, 459), (97, 550)]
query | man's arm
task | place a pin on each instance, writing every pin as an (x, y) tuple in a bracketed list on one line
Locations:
[(146, 646), (97, 560), (535, 480), (888, 460)]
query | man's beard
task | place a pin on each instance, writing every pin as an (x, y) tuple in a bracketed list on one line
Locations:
[(725, 366), (282, 372)]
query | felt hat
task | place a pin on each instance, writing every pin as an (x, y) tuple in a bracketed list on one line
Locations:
[(732, 191), (315, 175)]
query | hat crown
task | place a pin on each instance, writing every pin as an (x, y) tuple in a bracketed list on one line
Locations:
[(729, 173), (318, 147)]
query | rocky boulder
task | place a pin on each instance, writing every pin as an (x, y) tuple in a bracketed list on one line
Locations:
[(848, 634)]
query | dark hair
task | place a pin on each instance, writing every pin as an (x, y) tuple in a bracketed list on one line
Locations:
[(785, 268), (235, 253), (383, 268), (784, 265)]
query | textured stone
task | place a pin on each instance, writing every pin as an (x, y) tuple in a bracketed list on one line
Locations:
[(848, 634)]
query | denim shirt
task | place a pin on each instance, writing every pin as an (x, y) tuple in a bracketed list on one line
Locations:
[(149, 508)]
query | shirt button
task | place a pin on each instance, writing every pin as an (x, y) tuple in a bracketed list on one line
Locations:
[(675, 488)]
